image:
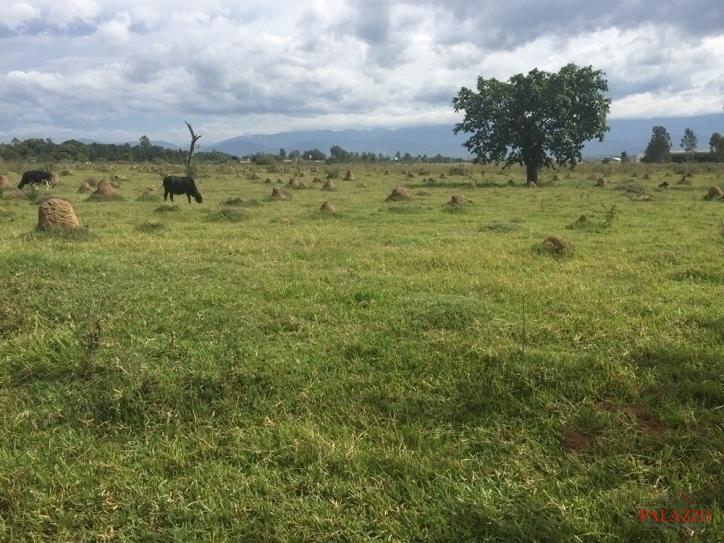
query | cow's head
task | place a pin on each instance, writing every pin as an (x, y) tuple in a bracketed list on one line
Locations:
[(196, 194)]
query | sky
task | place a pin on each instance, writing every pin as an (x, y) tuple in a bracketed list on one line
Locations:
[(113, 70)]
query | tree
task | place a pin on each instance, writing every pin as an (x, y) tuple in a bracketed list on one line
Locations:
[(144, 141), (282, 154), (716, 144), (187, 157), (625, 157), (689, 141), (337, 154), (535, 118), (314, 154), (659, 147)]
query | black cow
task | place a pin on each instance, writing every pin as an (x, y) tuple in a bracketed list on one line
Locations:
[(34, 177), (175, 184)]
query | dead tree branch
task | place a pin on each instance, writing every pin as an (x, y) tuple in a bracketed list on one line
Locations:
[(187, 156)]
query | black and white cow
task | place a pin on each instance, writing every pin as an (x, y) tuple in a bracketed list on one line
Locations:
[(34, 177), (175, 184)]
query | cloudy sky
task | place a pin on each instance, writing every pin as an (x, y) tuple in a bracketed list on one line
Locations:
[(112, 70)]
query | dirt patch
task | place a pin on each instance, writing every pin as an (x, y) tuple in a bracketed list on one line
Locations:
[(645, 421), (57, 214), (399, 193), (714, 193), (40, 198), (328, 208), (4, 182), (85, 188), (456, 201), (532, 185), (348, 176), (554, 246), (600, 182), (105, 192), (329, 185), (278, 194), (576, 441)]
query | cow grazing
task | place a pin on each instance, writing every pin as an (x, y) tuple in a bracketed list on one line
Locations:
[(34, 177), (174, 184)]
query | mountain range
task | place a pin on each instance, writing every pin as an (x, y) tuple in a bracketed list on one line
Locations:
[(630, 135)]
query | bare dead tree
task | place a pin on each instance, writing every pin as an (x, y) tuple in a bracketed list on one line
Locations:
[(187, 156)]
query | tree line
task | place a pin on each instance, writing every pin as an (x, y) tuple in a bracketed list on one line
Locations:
[(659, 147), (77, 151)]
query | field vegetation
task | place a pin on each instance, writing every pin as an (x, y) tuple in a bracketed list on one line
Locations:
[(515, 364)]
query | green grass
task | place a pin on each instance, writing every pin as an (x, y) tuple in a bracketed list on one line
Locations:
[(394, 373)]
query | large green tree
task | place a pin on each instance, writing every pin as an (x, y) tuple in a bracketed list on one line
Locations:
[(659, 147), (689, 141), (534, 119)]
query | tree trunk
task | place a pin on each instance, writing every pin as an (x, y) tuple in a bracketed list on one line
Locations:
[(531, 170), (187, 158)]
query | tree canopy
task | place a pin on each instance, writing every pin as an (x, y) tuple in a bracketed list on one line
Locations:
[(73, 150), (689, 141), (716, 144), (534, 119), (659, 147)]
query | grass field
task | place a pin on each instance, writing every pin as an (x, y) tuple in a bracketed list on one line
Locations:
[(399, 371)]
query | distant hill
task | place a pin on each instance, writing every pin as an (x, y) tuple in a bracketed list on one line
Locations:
[(630, 135), (422, 140), (159, 143)]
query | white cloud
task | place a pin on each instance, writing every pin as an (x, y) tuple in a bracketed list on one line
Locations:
[(264, 67), (15, 15), (116, 30)]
